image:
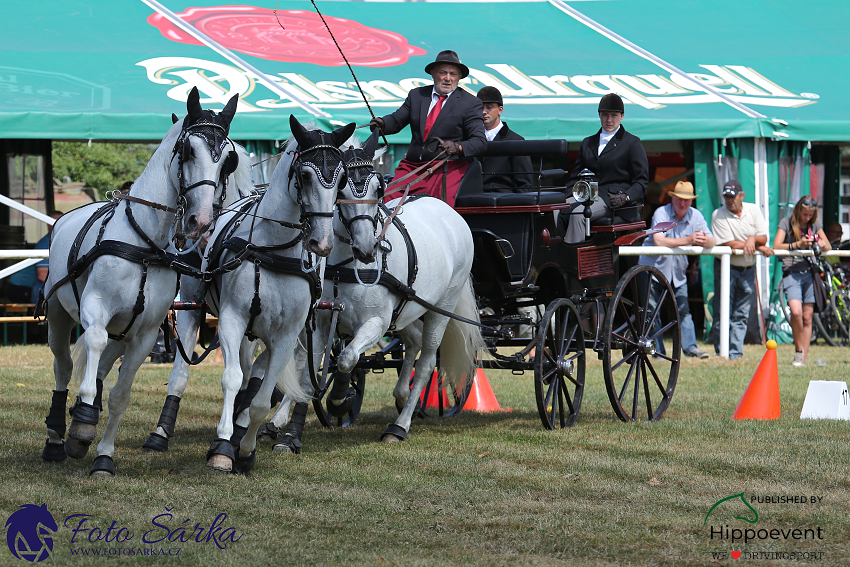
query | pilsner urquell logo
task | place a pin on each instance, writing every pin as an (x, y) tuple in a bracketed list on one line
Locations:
[(29, 533)]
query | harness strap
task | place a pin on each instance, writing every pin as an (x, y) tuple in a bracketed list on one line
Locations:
[(158, 206)]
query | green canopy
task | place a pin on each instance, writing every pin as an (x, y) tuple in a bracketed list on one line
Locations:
[(688, 69)]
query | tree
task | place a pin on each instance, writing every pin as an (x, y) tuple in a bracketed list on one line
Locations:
[(103, 166)]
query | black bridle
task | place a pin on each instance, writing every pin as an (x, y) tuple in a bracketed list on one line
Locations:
[(361, 170)]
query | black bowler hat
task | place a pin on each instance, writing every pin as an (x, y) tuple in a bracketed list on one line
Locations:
[(490, 94), (611, 102), (450, 57)]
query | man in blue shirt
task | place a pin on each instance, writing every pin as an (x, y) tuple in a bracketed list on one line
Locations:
[(690, 230)]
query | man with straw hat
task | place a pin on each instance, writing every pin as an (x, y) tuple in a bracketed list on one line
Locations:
[(690, 230), (444, 120)]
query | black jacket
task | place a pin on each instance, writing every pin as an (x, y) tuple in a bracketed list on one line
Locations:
[(460, 120), (621, 168), (496, 168)]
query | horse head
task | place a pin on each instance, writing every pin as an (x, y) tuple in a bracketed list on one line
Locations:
[(358, 208), (319, 174), (206, 158)]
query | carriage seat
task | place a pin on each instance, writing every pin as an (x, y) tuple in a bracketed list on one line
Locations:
[(470, 193)]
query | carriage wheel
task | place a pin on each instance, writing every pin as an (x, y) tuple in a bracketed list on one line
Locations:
[(559, 362), (638, 378), (356, 380)]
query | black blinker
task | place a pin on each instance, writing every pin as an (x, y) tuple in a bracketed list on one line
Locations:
[(231, 162)]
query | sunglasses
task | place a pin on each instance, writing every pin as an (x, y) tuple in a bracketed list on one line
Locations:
[(810, 203)]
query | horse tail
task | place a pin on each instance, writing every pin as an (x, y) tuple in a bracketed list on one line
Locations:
[(79, 356), (291, 379), (462, 343)]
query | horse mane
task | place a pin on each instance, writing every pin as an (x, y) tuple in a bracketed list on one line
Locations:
[(156, 172), (242, 179)]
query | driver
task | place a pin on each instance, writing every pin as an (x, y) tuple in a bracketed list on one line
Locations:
[(442, 117), (619, 162)]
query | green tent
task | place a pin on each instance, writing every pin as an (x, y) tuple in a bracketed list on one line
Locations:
[(755, 81), (692, 69)]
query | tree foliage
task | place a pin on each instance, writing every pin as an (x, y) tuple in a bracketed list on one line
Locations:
[(103, 166)]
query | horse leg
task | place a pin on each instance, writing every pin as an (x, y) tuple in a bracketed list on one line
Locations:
[(256, 370), (58, 337), (188, 323), (280, 352), (412, 338), (220, 455), (291, 442), (369, 333), (432, 333), (84, 414), (135, 353)]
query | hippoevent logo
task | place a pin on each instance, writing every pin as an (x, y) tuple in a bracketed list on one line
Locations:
[(30, 532), (734, 520)]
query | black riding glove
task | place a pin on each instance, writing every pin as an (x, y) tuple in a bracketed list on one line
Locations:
[(451, 148), (377, 123), (619, 200)]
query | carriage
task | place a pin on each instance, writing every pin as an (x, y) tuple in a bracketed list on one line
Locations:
[(546, 305)]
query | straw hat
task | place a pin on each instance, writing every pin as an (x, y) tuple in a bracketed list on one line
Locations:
[(684, 190)]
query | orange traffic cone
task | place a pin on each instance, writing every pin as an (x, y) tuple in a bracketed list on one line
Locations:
[(433, 400), (481, 397), (761, 400)]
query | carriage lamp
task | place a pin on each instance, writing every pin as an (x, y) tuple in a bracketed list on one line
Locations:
[(586, 190)]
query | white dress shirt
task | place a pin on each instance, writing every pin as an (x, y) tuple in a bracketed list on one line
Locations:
[(605, 137)]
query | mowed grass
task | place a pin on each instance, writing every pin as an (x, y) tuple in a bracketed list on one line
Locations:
[(476, 489)]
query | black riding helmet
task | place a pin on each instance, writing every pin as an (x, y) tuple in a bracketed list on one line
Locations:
[(611, 102)]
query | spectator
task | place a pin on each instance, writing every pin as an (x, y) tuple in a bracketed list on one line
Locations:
[(834, 233), (740, 226), (23, 286), (799, 232), (690, 230)]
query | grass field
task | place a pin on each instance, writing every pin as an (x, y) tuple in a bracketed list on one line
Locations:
[(476, 489)]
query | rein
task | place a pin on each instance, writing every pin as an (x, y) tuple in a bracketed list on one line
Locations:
[(151, 204)]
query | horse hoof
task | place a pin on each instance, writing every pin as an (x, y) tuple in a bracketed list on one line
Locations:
[(103, 467), (244, 465), (340, 407), (75, 448), (269, 432), (82, 432), (220, 463), (289, 445), (155, 444), (394, 434), (54, 452)]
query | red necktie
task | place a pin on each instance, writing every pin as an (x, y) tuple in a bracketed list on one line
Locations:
[(432, 116)]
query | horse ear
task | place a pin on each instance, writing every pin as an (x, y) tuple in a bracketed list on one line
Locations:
[(371, 144), (193, 105), (299, 132), (340, 135), (174, 119), (229, 111)]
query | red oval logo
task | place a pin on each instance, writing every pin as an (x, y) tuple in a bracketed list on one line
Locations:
[(293, 36)]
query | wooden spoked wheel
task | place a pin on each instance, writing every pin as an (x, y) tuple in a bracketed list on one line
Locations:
[(356, 380), (559, 363), (640, 378)]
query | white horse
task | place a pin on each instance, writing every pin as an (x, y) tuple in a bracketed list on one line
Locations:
[(189, 321), (109, 272), (443, 249), (269, 293), (361, 194)]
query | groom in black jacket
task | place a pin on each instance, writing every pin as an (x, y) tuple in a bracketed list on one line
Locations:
[(619, 162), (502, 174), (442, 117)]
